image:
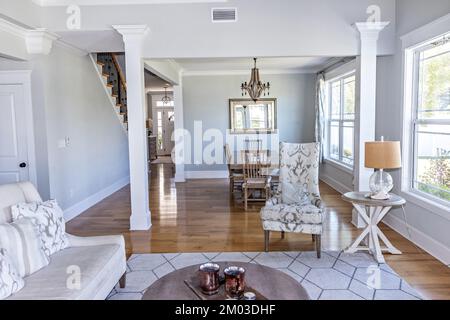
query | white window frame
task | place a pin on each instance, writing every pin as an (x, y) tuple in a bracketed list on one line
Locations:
[(338, 162), (411, 44)]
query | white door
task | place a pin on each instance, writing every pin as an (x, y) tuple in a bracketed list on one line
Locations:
[(13, 135), (165, 127)]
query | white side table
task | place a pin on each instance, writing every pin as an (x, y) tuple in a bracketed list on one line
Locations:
[(372, 212)]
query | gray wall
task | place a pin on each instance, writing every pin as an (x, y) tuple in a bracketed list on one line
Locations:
[(206, 98), (69, 101), (411, 14)]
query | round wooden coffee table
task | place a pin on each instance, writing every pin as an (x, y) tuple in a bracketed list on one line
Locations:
[(271, 283)]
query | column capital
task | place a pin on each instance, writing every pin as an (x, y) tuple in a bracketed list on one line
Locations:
[(40, 41), (132, 29), (370, 29)]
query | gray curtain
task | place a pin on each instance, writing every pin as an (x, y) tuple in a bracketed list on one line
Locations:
[(320, 112)]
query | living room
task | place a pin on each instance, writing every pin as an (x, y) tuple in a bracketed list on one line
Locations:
[(171, 152)]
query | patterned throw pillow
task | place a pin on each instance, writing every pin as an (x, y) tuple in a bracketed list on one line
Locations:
[(50, 219), (22, 242), (10, 281)]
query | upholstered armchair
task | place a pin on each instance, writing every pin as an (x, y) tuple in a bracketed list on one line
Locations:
[(296, 205)]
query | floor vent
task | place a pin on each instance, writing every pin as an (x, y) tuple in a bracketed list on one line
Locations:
[(224, 14)]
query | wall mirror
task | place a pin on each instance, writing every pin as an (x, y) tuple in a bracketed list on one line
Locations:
[(248, 116)]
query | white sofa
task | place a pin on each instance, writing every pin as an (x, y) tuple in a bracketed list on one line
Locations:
[(101, 260)]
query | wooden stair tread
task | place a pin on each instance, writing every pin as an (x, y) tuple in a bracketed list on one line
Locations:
[(100, 63), (110, 85), (105, 75)]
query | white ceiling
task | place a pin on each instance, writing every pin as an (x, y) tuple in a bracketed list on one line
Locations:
[(154, 83), (243, 65), (57, 3)]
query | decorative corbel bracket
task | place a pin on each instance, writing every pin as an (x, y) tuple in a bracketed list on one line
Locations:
[(40, 41)]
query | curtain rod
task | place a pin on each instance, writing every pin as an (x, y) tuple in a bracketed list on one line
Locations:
[(333, 65)]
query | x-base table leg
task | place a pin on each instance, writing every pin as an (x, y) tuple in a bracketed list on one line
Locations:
[(372, 216)]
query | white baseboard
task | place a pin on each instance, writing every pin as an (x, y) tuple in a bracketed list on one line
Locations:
[(223, 174), (422, 240), (85, 204), (335, 184)]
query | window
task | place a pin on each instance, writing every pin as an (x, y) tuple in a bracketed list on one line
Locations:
[(430, 158), (167, 104), (341, 119)]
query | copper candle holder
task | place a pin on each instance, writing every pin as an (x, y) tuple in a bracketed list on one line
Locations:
[(209, 278), (234, 281)]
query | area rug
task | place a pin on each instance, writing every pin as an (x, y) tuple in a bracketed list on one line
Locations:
[(336, 276)]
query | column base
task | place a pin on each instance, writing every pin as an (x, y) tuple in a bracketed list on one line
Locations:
[(179, 173), (179, 178), (140, 222)]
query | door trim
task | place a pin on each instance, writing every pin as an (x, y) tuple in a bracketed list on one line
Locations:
[(23, 77)]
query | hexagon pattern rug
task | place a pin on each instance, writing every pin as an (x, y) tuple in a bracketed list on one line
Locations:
[(337, 275)]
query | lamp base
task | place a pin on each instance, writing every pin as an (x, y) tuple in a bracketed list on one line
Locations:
[(380, 196), (380, 183)]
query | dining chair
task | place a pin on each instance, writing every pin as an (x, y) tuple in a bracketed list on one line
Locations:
[(235, 178), (253, 144), (255, 178)]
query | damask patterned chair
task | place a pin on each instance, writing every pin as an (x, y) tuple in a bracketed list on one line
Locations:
[(296, 206)]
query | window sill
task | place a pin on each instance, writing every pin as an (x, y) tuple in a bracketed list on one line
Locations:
[(339, 165), (416, 198)]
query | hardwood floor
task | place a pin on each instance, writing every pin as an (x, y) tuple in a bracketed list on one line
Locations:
[(200, 216)]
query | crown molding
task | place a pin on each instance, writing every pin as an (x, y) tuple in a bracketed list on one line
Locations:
[(38, 40), (132, 29), (12, 28), (64, 3)]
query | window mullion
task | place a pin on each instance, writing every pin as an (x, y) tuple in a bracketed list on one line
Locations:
[(416, 88)]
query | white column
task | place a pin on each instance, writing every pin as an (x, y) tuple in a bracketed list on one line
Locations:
[(365, 103), (133, 37), (179, 127)]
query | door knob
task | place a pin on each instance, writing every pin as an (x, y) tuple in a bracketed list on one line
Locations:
[(23, 165)]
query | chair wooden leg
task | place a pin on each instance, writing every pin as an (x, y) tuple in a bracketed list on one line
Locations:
[(318, 245), (231, 186), (123, 281), (282, 234), (245, 198), (266, 240)]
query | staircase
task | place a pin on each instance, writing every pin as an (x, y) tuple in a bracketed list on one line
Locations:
[(114, 83)]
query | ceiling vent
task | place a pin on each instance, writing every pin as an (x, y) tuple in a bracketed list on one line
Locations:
[(224, 14)]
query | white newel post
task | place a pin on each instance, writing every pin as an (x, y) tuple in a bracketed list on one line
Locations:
[(179, 127), (133, 38), (365, 103)]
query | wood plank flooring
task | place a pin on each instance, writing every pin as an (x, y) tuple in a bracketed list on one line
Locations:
[(200, 216)]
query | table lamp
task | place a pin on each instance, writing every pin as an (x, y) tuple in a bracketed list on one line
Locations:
[(382, 155)]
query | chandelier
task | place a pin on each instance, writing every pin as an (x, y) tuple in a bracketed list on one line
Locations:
[(255, 87), (166, 99)]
